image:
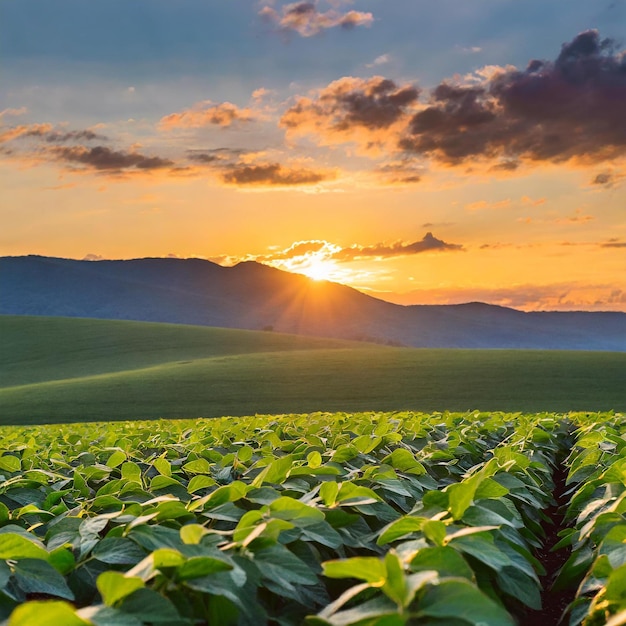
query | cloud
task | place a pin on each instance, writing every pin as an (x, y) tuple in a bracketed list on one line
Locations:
[(24, 130), (552, 297), (305, 19), (429, 243), (351, 109), (207, 113), (383, 59), (577, 218), (72, 135), (613, 243), (92, 257), (569, 109), (102, 158), (47, 133), (483, 204), (7, 112), (273, 174), (608, 179)]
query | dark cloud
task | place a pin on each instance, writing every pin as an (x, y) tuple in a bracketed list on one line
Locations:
[(47, 133), (613, 243), (102, 158), (609, 179), (429, 243), (272, 174), (215, 155), (72, 135), (305, 19), (570, 108), (352, 109)]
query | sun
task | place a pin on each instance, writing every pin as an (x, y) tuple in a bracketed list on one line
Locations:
[(319, 269)]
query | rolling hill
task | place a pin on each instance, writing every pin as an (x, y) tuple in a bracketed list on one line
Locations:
[(75, 370), (254, 296)]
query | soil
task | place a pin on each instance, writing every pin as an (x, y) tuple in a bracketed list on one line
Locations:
[(553, 603)]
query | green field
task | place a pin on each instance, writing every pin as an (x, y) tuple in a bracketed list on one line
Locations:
[(63, 370)]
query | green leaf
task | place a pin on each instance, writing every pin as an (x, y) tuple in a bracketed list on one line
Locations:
[(199, 466), (10, 463), (282, 566), (370, 613), (616, 586), (366, 443), (117, 458), (45, 613), (62, 560), (395, 586), (482, 547), (131, 472), (162, 466), (368, 568), (275, 472), (167, 557), (192, 533), (400, 528), (14, 546), (227, 493), (163, 482), (199, 566), (118, 551), (200, 482), (404, 461), (445, 560), (244, 454), (152, 608), (435, 531), (322, 533), (521, 586), (294, 511), (461, 600), (37, 576), (314, 459), (113, 586), (489, 488), (328, 492)]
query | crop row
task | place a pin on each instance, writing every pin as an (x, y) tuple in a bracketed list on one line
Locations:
[(596, 514), (332, 519)]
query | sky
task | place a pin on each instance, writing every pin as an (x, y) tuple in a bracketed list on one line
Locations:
[(422, 152)]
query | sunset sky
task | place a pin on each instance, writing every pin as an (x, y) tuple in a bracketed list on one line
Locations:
[(423, 152)]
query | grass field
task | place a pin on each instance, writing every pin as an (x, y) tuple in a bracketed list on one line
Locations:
[(65, 370)]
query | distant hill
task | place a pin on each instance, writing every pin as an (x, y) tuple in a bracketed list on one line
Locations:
[(59, 369), (255, 297)]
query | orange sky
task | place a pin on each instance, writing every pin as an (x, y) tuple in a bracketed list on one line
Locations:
[(496, 172)]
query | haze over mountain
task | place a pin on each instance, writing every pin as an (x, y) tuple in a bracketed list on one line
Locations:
[(254, 296)]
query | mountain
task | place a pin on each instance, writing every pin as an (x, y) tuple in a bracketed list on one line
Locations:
[(254, 296)]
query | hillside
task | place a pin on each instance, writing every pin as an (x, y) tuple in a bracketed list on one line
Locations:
[(65, 370), (254, 296)]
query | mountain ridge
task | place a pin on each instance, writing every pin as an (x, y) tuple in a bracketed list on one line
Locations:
[(254, 296)]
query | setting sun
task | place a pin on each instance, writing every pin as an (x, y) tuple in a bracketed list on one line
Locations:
[(320, 269)]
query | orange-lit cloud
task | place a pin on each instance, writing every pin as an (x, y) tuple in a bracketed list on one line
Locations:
[(24, 130), (207, 113), (302, 252), (307, 20), (363, 110), (273, 174), (484, 204)]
